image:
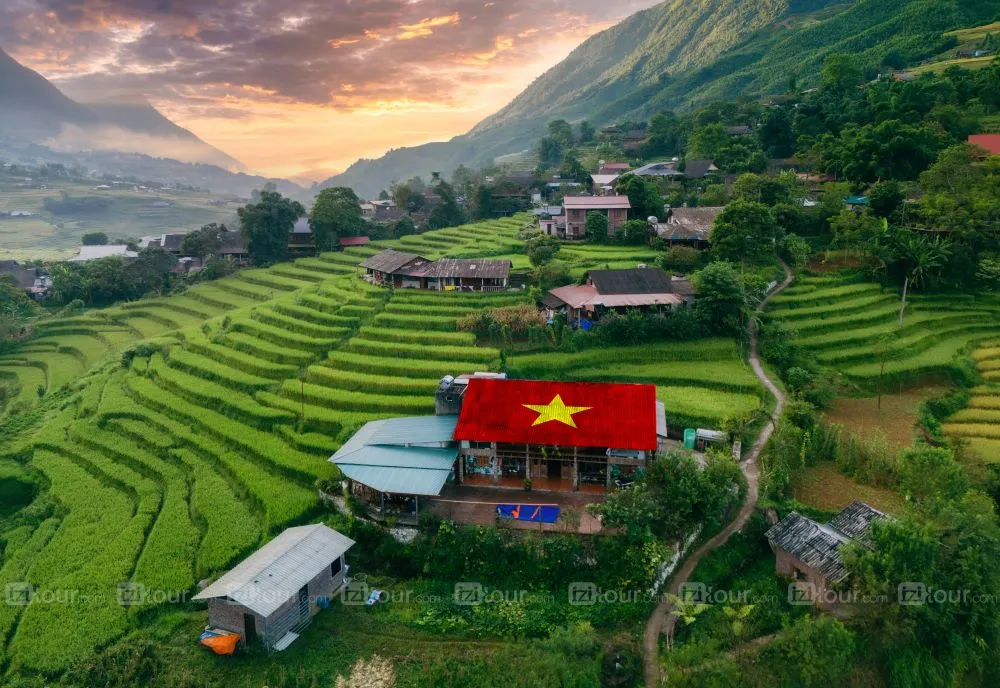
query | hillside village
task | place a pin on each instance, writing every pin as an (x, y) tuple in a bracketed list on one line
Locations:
[(671, 402)]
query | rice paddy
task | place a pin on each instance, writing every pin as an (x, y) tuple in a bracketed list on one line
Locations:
[(852, 327), (211, 439), (977, 426)]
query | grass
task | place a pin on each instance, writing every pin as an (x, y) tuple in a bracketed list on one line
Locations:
[(896, 420), (822, 486)]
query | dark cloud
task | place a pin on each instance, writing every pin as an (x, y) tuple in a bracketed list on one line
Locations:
[(341, 53)]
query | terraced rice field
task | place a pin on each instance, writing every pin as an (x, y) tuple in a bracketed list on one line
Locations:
[(979, 423), (842, 320), (171, 469)]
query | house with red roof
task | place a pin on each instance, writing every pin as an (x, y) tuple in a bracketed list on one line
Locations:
[(990, 142), (559, 436), (492, 432)]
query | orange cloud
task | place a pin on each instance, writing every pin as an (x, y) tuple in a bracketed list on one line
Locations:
[(343, 41), (424, 26)]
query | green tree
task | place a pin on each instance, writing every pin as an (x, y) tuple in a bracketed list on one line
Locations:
[(841, 74), (745, 230), (561, 131), (707, 141), (203, 242), (721, 296), (921, 258), (446, 213), (596, 227), (644, 196), (672, 497), (336, 213), (94, 239), (931, 473), (813, 653), (585, 132), (943, 562), (541, 249), (550, 151), (404, 227), (266, 225), (885, 198)]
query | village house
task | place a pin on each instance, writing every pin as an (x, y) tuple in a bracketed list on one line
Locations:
[(809, 553), (489, 431), (645, 289), (345, 242), (572, 223), (615, 168), (603, 184), (386, 211), (272, 595), (86, 253), (688, 226), (406, 270), (300, 239), (991, 142), (233, 247), (29, 279), (367, 211)]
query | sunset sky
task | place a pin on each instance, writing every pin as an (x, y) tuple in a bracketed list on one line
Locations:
[(302, 88)]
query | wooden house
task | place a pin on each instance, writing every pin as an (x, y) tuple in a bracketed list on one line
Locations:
[(300, 239), (808, 553), (688, 226), (271, 596), (645, 289), (406, 270)]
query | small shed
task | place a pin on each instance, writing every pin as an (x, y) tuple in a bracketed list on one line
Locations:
[(272, 595), (809, 553)]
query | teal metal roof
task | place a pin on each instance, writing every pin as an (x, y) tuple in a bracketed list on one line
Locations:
[(401, 455)]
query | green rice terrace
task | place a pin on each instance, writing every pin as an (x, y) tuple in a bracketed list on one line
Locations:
[(165, 466), (852, 327), (979, 423)]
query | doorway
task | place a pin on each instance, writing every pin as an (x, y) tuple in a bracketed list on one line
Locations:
[(249, 628), (555, 469)]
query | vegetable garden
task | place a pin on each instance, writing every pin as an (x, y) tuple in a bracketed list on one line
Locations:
[(169, 469)]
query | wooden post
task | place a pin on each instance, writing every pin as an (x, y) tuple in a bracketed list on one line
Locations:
[(381, 503), (607, 472), (576, 471)]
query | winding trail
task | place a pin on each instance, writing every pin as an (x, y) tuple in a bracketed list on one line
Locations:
[(662, 620)]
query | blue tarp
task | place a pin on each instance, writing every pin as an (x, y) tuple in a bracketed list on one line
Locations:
[(536, 513)]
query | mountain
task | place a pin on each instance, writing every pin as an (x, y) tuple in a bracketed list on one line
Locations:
[(136, 114), (32, 110), (32, 105), (682, 54)]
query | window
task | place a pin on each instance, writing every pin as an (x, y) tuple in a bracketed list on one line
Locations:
[(480, 445), (336, 566)]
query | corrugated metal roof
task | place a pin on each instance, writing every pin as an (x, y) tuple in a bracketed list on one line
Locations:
[(615, 416), (402, 479), (815, 545), (412, 455), (391, 260), (465, 268), (277, 571), (96, 252), (596, 202), (631, 281)]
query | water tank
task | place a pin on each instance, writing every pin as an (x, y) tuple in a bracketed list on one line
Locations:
[(689, 438), (446, 382)]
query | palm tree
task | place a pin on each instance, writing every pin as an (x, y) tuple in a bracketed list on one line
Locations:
[(923, 257)]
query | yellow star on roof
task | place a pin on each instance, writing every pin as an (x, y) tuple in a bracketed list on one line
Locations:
[(556, 410)]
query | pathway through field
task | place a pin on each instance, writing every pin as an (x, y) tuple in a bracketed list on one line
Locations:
[(662, 619)]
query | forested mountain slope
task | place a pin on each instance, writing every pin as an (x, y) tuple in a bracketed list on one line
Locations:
[(681, 54)]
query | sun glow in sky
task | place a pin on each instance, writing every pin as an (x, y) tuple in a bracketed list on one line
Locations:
[(303, 88)]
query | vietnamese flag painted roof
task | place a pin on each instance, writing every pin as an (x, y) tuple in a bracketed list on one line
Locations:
[(575, 414)]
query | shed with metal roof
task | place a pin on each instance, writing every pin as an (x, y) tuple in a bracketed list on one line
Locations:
[(272, 595), (395, 461)]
